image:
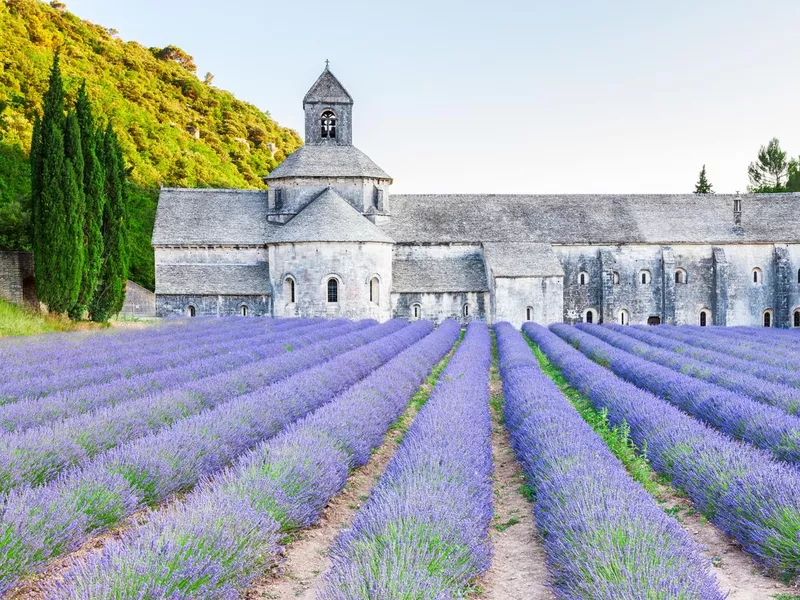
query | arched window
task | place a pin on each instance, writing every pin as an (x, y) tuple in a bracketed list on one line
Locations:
[(768, 318), (465, 310), (624, 318), (191, 310), (243, 310), (680, 276), (529, 314), (615, 277), (589, 315), (703, 318), (328, 125), (757, 276), (798, 276), (374, 291), (416, 311), (333, 290), (644, 276), (583, 278), (290, 295), (796, 318)]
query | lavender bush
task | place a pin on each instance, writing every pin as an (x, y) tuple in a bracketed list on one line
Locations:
[(739, 381), (423, 533), (718, 357), (738, 416), (38, 455), (605, 537), (746, 492), (189, 551), (147, 470)]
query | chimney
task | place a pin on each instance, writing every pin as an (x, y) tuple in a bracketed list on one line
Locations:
[(737, 210)]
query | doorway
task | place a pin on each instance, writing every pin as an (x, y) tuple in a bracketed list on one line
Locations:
[(654, 320)]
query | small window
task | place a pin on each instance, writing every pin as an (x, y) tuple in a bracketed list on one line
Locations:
[(796, 318), (416, 311), (191, 310), (589, 316), (333, 290), (615, 277), (290, 289), (278, 199), (768, 318), (583, 278), (644, 277), (798, 276), (680, 276), (243, 310), (529, 314), (757, 276), (465, 310), (624, 318), (328, 124), (374, 290), (703, 318)]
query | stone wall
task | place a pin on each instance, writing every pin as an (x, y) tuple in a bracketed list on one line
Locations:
[(311, 265), (513, 296), (17, 283), (139, 301), (296, 192), (438, 306), (178, 305)]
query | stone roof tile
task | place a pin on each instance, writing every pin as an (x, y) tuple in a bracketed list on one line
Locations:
[(245, 280), (328, 89), (327, 160), (432, 273), (521, 259)]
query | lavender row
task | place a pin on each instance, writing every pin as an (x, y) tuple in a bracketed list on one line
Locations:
[(718, 357), (54, 347), (40, 523), (39, 455), (26, 414), (423, 533), (738, 416), (70, 373), (746, 492), (751, 351), (141, 366), (605, 537), (787, 338), (227, 531), (784, 397)]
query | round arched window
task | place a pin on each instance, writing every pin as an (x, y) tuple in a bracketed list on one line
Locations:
[(191, 310), (644, 276), (333, 290), (758, 276), (680, 276), (328, 125), (624, 318), (243, 310), (416, 311)]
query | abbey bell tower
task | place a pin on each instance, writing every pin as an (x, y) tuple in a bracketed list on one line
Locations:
[(329, 112)]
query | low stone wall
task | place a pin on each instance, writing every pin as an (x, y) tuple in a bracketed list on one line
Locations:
[(139, 302), (17, 283), (181, 305)]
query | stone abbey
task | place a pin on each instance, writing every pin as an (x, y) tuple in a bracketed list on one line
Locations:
[(329, 239)]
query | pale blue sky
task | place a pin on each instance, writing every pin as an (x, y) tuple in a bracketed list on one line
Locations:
[(510, 96)]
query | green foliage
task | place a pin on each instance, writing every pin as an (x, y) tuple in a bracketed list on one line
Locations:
[(703, 186), (793, 181), (769, 172), (154, 102), (17, 320)]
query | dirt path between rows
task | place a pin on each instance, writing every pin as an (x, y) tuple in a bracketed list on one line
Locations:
[(519, 569)]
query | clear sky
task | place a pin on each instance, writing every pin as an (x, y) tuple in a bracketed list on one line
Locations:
[(510, 96)]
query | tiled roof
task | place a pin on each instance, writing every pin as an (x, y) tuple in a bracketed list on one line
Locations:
[(521, 259), (328, 161), (213, 279), (327, 88), (434, 272)]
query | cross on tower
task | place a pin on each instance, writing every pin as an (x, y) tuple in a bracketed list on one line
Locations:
[(327, 63)]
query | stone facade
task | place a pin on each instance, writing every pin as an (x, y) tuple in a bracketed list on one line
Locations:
[(328, 222), (17, 283), (139, 302)]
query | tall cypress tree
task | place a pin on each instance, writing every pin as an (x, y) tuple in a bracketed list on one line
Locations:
[(110, 293), (76, 213), (36, 183), (94, 196)]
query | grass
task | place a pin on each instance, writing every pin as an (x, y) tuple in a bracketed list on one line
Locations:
[(18, 321), (617, 438)]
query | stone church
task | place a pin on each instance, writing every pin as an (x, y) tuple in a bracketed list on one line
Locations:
[(329, 239)]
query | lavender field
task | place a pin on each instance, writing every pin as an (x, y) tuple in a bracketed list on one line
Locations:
[(338, 460)]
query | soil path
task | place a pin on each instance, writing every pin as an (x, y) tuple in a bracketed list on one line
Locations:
[(519, 569), (735, 570)]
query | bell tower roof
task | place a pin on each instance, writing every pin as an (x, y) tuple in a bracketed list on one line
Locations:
[(327, 89)]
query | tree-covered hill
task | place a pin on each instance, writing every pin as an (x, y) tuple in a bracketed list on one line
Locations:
[(174, 129)]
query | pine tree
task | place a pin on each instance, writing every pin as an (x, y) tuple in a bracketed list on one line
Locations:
[(703, 186), (768, 174), (110, 293), (93, 189)]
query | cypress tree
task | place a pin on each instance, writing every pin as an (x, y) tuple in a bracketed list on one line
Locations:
[(76, 214), (703, 186), (110, 293), (93, 190), (36, 183)]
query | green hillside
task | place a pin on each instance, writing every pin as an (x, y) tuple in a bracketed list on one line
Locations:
[(174, 128)]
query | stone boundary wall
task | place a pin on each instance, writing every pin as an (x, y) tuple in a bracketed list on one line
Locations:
[(17, 283)]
